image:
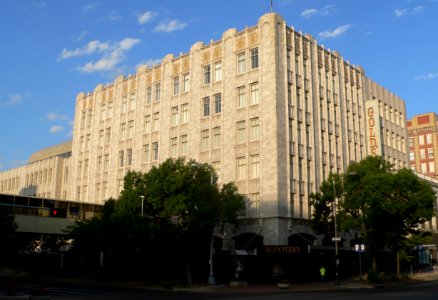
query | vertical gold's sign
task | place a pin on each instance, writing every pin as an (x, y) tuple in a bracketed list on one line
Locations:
[(373, 124)]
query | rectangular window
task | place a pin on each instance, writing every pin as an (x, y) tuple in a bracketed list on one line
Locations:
[(147, 124), (176, 85), (99, 163), (429, 138), (124, 104), (421, 140), (430, 152), (106, 162), (185, 113), (102, 113), (174, 115), (216, 139), (157, 92), (411, 142), (108, 135), (431, 167), (174, 146), (109, 111), (254, 93), (217, 103), (241, 134), (148, 95), (254, 58), (254, 205), (156, 121), (217, 167), (254, 133), (255, 166), (206, 106), (184, 145), (411, 155), (205, 139), (130, 129), (241, 99), (240, 63), (121, 158), (146, 153), (218, 71), (422, 153), (101, 136), (206, 71), (129, 157), (122, 131), (424, 168), (241, 168), (186, 83), (155, 151), (132, 102)]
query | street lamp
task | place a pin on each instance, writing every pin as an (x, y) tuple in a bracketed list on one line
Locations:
[(211, 279), (142, 201), (336, 238)]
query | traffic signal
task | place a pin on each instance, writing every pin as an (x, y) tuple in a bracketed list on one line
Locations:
[(57, 212)]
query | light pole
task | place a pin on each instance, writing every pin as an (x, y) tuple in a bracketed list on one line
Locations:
[(336, 238), (142, 201), (211, 280)]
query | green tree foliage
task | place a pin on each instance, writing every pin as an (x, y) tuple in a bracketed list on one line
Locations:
[(385, 205), (7, 233), (163, 219)]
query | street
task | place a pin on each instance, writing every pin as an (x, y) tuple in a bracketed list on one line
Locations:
[(422, 290)]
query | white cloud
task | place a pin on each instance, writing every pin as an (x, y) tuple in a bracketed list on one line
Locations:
[(334, 33), (82, 35), (114, 16), (53, 116), (145, 17), (429, 76), (417, 10), (90, 6), (90, 48), (170, 25), (325, 11), (56, 129), (14, 99), (111, 58), (309, 12), (401, 12)]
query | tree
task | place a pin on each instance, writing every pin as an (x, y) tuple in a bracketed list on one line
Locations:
[(8, 228), (388, 205), (163, 219), (385, 205)]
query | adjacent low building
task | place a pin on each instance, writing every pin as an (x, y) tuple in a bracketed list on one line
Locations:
[(423, 144)]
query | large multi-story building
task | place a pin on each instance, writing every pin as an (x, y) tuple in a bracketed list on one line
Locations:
[(267, 107), (423, 143)]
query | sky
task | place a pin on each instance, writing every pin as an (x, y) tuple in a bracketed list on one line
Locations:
[(51, 50)]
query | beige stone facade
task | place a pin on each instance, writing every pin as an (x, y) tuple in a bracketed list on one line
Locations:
[(267, 106), (423, 144)]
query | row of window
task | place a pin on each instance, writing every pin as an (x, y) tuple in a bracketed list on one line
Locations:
[(41, 177), (9, 184), (253, 165), (254, 130), (424, 153), (217, 105), (215, 75), (424, 139)]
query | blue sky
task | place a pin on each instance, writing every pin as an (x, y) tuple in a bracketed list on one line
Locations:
[(51, 50)]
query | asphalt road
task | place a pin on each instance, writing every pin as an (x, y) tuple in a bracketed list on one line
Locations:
[(424, 290)]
